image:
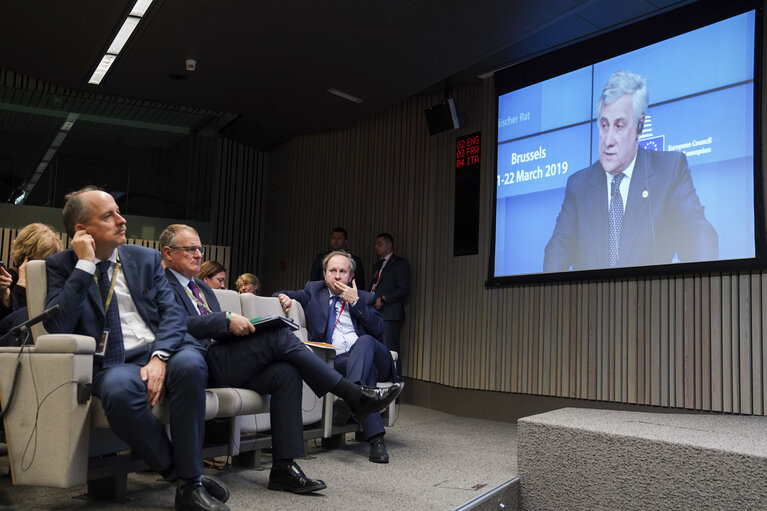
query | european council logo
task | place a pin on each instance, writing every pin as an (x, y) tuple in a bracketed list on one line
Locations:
[(653, 144), (648, 140)]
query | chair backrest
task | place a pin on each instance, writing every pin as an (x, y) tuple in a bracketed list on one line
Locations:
[(296, 313), (228, 300), (37, 289), (254, 306)]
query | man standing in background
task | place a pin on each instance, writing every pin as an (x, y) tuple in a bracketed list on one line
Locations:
[(391, 285), (338, 242)]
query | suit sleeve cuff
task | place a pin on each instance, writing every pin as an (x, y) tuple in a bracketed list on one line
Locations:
[(162, 355), (86, 266)]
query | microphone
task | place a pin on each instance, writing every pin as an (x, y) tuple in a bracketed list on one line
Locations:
[(33, 321)]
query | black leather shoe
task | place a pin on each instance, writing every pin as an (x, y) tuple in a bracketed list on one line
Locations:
[(374, 400), (216, 488), (197, 499), (341, 413), (378, 452), (292, 479)]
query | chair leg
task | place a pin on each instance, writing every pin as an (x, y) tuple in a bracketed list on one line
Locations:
[(336, 441), (113, 488), (250, 459)]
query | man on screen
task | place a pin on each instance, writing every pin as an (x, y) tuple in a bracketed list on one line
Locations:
[(633, 207)]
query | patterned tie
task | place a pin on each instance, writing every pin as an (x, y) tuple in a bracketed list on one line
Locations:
[(616, 217), (115, 350), (196, 293), (332, 315)]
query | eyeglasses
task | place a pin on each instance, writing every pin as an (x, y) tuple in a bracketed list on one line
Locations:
[(190, 250)]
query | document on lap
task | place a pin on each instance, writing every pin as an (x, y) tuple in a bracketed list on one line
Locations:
[(272, 321)]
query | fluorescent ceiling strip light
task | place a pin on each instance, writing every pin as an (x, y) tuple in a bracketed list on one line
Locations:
[(49, 154), (102, 68), (118, 43), (122, 36), (30, 183), (59, 139), (140, 8), (344, 95)]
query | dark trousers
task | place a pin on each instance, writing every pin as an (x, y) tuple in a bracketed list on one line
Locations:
[(368, 362), (124, 398), (392, 330), (274, 362)]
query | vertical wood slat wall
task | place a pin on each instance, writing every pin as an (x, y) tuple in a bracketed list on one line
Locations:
[(238, 207), (691, 341)]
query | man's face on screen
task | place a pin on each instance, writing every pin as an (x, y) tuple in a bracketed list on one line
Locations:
[(618, 137)]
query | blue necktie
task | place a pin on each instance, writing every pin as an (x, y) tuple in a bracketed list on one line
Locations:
[(115, 351), (332, 315), (616, 217)]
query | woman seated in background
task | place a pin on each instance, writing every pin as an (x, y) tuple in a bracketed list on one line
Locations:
[(213, 274), (35, 241), (248, 283)]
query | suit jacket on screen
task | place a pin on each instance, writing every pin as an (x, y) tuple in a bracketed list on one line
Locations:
[(663, 217)]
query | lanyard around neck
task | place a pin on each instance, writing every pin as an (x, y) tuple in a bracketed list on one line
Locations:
[(112, 285), (338, 316), (196, 301)]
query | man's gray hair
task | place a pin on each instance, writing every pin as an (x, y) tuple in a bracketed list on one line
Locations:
[(344, 253), (622, 83), (168, 236)]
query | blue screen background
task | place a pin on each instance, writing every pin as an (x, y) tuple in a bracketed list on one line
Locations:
[(701, 93)]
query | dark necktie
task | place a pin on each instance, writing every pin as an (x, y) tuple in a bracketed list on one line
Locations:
[(332, 315), (196, 293), (616, 217), (378, 275), (115, 350)]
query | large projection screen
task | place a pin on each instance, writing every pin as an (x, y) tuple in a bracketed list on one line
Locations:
[(691, 201)]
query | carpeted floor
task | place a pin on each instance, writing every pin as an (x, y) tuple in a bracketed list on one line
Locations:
[(438, 462)]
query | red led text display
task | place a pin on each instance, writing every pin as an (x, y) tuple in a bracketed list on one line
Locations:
[(467, 151)]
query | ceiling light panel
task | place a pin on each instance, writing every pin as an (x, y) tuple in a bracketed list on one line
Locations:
[(140, 8), (102, 68), (122, 36)]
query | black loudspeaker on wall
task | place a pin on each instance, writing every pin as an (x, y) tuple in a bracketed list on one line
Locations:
[(441, 117)]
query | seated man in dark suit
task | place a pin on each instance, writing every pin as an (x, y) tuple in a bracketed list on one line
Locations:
[(120, 297), (353, 328), (271, 362), (633, 207)]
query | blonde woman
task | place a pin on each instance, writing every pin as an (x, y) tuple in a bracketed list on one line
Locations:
[(35, 241), (248, 283)]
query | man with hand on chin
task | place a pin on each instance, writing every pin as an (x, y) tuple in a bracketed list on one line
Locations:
[(121, 298), (340, 314), (272, 361)]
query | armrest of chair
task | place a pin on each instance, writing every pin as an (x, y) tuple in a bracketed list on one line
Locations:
[(65, 343), (323, 350)]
